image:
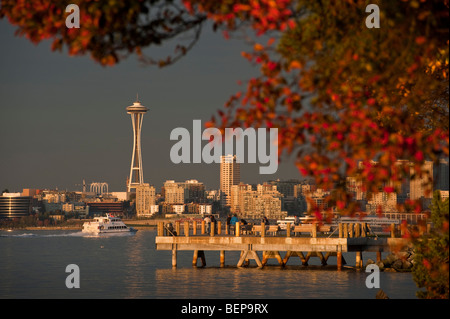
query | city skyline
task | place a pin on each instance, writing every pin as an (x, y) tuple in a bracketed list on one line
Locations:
[(62, 118)]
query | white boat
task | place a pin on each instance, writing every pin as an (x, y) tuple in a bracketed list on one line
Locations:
[(283, 222), (108, 224)]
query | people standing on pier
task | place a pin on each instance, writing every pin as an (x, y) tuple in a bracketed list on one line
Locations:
[(208, 224), (228, 222), (170, 229), (265, 221), (245, 226)]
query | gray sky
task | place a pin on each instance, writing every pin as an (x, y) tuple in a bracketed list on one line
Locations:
[(63, 119)]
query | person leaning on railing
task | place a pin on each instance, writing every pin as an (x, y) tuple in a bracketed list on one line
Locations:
[(233, 222)]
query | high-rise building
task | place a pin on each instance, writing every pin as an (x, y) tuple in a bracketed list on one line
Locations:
[(316, 200), (422, 184), (442, 178), (137, 111), (254, 204), (195, 191), (145, 200), (286, 187), (230, 175), (236, 196), (386, 202), (174, 193)]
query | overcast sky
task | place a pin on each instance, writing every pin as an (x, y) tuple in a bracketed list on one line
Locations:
[(63, 119)]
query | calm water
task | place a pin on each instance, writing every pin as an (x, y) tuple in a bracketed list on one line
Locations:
[(33, 263)]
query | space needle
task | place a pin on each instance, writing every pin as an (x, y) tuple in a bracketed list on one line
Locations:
[(137, 111)]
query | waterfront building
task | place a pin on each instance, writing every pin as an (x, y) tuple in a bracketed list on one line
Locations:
[(14, 205), (442, 180), (195, 191), (30, 192), (239, 201), (190, 191), (213, 195), (286, 188), (422, 185), (119, 195), (382, 202), (316, 199), (230, 175), (444, 195), (302, 189), (52, 206), (100, 208), (167, 208), (174, 193), (254, 204), (197, 208), (54, 197), (145, 200), (355, 187), (76, 207)]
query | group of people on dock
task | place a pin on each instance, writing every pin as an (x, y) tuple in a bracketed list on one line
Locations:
[(231, 221)]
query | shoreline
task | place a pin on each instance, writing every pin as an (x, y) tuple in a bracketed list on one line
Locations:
[(140, 227), (43, 228)]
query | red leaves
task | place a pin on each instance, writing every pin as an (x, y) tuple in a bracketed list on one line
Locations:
[(360, 95), (241, 7), (330, 91), (389, 189), (419, 156), (264, 15), (371, 102), (421, 40)]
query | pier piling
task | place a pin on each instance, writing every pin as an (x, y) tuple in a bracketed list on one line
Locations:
[(194, 228), (199, 254), (186, 229), (222, 258), (174, 258)]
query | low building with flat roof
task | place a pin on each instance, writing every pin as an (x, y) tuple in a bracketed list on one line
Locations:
[(13, 205)]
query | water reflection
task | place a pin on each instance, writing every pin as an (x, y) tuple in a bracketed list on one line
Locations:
[(269, 282), (130, 267)]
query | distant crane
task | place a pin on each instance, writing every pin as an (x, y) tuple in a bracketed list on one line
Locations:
[(84, 186)]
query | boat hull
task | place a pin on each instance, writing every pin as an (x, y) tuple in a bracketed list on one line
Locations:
[(110, 231)]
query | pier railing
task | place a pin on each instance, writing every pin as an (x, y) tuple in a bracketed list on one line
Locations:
[(342, 230)]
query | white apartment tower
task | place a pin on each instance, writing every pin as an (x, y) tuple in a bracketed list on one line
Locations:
[(145, 200), (422, 184), (230, 175)]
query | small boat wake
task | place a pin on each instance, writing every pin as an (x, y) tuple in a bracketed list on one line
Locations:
[(12, 234), (46, 234)]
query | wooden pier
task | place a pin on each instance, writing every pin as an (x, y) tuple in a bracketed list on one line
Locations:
[(304, 241)]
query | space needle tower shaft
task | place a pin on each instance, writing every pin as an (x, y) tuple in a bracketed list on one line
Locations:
[(137, 111)]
